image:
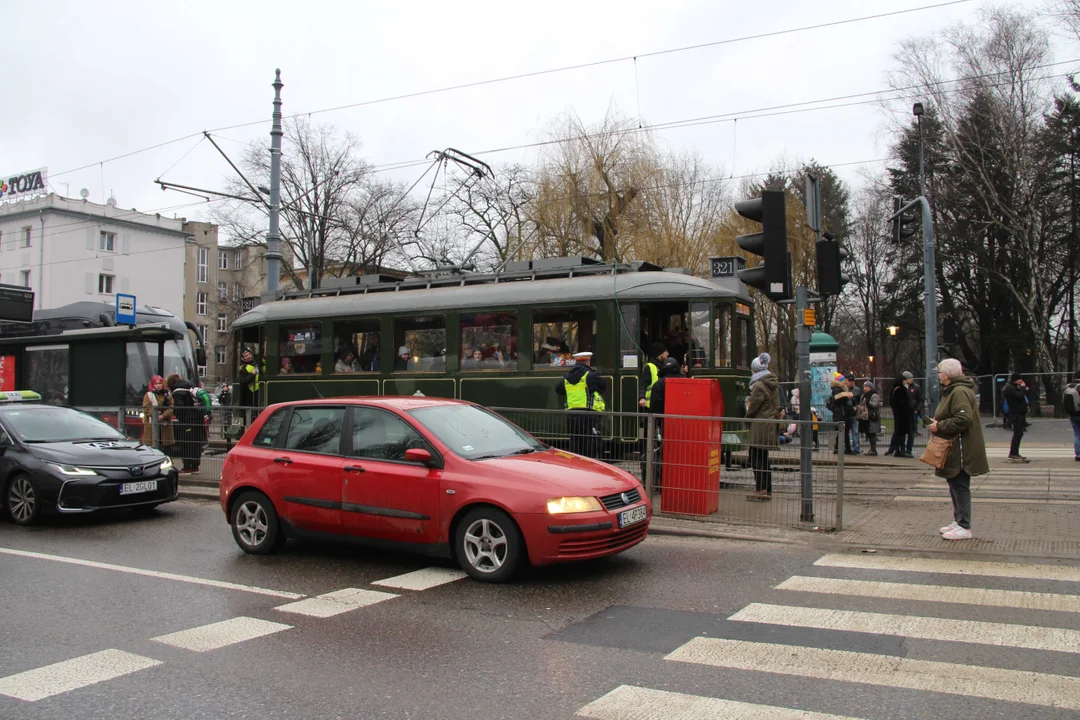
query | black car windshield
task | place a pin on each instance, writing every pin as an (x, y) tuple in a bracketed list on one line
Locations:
[(475, 434), (57, 424)]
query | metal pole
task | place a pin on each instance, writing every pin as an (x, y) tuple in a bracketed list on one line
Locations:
[(273, 237), (840, 483), (650, 449), (922, 173), (930, 305), (806, 458)]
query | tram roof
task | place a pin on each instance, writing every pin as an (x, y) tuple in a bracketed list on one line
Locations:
[(628, 287)]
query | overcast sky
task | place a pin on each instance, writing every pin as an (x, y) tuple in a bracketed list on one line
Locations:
[(85, 82)]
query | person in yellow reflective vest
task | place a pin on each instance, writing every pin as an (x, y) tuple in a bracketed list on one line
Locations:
[(651, 373), (249, 379), (581, 389)]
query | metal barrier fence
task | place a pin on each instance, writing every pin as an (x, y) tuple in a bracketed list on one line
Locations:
[(708, 468)]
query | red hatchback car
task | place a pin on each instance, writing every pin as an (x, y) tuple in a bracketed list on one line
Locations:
[(441, 477)]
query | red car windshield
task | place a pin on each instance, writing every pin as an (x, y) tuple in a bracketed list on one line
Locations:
[(475, 434)]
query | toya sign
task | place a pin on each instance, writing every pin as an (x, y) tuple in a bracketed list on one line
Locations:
[(24, 185)]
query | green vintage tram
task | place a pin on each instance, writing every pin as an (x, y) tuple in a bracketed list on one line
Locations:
[(500, 339)]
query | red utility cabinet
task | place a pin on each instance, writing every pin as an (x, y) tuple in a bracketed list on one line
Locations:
[(690, 449)]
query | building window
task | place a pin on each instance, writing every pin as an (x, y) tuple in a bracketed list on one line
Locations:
[(238, 260), (237, 292), (204, 265), (222, 322), (202, 371), (203, 332), (105, 284), (222, 291), (219, 354), (107, 241), (24, 278), (222, 260), (200, 303), (26, 236)]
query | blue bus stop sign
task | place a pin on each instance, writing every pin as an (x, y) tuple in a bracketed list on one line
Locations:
[(125, 309)]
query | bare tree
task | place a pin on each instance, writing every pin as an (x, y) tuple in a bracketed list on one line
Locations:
[(494, 214)]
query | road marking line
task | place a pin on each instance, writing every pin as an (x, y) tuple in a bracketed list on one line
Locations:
[(934, 593), (628, 701), (335, 603), (1014, 501), (153, 573), (79, 672), (221, 634), (422, 579), (911, 626), (952, 567), (1019, 686)]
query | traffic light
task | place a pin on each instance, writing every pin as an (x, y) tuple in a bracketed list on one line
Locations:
[(899, 222), (772, 275), (830, 263)]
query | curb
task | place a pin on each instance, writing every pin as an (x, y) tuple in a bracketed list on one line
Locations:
[(717, 535), (194, 492)]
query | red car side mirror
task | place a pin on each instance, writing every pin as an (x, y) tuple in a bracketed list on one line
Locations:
[(418, 455)]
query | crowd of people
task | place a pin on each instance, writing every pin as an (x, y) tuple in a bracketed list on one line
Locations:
[(178, 414)]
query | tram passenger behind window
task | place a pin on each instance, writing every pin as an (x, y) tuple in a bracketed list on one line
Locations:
[(347, 363), (554, 352), (286, 366), (371, 360)]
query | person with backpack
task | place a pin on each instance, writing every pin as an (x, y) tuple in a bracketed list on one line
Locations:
[(1071, 403), (190, 428)]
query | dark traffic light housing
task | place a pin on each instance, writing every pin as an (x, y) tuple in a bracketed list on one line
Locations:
[(830, 264), (900, 221), (772, 275)]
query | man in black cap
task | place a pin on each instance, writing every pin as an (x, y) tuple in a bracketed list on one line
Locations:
[(650, 373)]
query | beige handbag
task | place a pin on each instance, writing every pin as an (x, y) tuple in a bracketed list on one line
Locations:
[(936, 452)]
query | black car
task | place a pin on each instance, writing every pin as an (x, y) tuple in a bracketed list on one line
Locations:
[(57, 459)]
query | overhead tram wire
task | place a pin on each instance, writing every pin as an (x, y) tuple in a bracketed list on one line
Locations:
[(874, 96), (536, 73)]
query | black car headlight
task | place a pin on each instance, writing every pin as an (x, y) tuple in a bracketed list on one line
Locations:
[(72, 470)]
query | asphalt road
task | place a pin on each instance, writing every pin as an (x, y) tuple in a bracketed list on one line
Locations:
[(163, 617)]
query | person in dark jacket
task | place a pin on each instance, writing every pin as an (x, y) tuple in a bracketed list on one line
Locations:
[(582, 391), (762, 404), (1016, 396), (871, 426), (842, 409), (249, 378), (190, 429), (900, 404), (956, 419)]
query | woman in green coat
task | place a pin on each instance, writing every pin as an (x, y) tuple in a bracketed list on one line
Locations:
[(763, 404), (957, 419)]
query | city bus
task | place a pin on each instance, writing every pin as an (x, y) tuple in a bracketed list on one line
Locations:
[(503, 339), (77, 355)]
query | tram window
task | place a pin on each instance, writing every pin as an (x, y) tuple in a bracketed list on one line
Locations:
[(357, 347), (488, 341), (742, 342), (558, 333), (698, 355), (300, 348), (421, 343), (48, 372), (723, 336)]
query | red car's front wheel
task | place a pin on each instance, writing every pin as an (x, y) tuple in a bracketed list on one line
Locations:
[(488, 545)]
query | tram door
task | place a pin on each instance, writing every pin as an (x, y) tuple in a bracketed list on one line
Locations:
[(682, 327)]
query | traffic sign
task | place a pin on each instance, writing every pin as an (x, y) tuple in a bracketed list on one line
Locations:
[(125, 309)]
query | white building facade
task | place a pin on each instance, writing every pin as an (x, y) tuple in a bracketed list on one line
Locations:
[(73, 250)]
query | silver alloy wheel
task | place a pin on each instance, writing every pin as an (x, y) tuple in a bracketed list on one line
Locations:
[(485, 545), (21, 499), (251, 523)]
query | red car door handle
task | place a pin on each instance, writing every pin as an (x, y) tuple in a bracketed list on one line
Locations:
[(354, 468), (283, 460)]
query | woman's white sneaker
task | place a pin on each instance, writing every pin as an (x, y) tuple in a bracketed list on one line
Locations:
[(948, 528), (958, 533)]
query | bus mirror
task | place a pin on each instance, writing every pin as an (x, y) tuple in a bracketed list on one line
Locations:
[(200, 357)]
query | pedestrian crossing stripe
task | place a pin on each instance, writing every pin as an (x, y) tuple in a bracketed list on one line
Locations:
[(221, 634), (335, 603), (627, 701), (934, 593), (62, 677), (423, 579), (1020, 686), (942, 566), (911, 626)]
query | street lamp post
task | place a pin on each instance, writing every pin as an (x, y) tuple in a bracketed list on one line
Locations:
[(917, 111), (929, 280)]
